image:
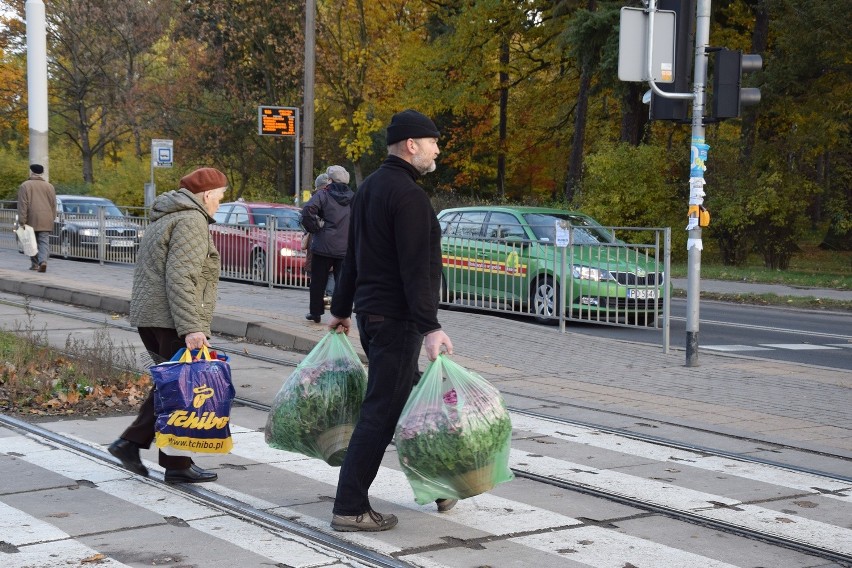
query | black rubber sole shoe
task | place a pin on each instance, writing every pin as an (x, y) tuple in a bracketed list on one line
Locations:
[(313, 318), (128, 454), (445, 505), (192, 474)]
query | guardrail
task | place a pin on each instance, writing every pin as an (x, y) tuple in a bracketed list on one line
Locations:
[(615, 283), (619, 283)]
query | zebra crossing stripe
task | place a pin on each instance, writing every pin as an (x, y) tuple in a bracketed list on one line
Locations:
[(797, 346), (774, 346), (284, 549), (41, 544), (734, 348), (624, 445), (587, 545), (479, 513), (816, 533)]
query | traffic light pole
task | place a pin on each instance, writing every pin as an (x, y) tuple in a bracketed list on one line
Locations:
[(698, 156)]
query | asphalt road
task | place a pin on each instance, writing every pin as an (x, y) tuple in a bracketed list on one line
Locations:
[(800, 336)]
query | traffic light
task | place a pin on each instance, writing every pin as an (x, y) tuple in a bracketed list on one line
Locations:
[(728, 96), (677, 109)]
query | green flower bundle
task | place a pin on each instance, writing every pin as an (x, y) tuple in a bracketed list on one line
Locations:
[(454, 435), (317, 407)]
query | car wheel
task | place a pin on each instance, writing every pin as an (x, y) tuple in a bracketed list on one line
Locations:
[(66, 248), (544, 300), (446, 295), (258, 268)]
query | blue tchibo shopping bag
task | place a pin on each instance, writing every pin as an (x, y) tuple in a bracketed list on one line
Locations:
[(192, 400)]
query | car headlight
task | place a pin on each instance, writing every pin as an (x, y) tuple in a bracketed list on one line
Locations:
[(287, 252), (589, 273), (89, 232), (140, 233)]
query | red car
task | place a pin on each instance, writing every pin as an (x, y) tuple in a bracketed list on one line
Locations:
[(243, 235)]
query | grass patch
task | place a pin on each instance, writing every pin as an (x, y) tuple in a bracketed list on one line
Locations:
[(806, 302), (94, 377), (811, 268)]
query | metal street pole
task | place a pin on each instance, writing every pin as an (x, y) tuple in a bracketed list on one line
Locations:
[(698, 157), (308, 103), (37, 84)]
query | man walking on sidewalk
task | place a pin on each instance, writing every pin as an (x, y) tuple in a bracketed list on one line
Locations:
[(392, 273), (37, 208)]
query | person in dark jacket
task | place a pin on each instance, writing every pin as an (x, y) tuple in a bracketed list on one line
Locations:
[(320, 183), (392, 275), (174, 294), (326, 218), (37, 208)]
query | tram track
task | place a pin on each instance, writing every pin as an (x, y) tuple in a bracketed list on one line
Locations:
[(370, 558), (799, 545), (668, 442), (226, 504)]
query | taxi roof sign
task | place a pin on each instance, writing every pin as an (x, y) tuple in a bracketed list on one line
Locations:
[(276, 121)]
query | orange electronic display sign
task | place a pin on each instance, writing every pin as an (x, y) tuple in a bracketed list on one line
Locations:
[(276, 121)]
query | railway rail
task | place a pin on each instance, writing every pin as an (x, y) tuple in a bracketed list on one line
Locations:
[(814, 481)]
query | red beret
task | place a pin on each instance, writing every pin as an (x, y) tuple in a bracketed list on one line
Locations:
[(204, 179)]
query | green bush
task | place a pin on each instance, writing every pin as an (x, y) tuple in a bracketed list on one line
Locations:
[(637, 186)]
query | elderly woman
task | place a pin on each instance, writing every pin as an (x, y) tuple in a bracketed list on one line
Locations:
[(174, 294)]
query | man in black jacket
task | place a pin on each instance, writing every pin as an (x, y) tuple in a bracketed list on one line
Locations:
[(392, 274)]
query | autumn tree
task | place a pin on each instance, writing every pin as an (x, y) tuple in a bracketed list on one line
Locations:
[(244, 54), (94, 47)]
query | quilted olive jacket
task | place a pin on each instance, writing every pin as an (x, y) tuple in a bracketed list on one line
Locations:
[(177, 267)]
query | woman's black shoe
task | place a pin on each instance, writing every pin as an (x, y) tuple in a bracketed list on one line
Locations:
[(128, 454), (313, 318), (192, 474)]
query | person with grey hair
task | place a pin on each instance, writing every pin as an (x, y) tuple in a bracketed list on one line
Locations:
[(326, 218), (392, 275), (37, 208), (320, 183), (174, 293)]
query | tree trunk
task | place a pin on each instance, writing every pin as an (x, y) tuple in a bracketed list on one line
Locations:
[(504, 103), (575, 166), (759, 41), (634, 114), (85, 145)]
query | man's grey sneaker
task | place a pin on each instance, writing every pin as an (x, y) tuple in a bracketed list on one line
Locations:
[(370, 521), (445, 505)]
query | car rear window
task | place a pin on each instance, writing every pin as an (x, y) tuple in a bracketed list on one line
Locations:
[(90, 208), (284, 218)]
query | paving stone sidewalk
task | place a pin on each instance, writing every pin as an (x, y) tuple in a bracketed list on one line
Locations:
[(535, 366)]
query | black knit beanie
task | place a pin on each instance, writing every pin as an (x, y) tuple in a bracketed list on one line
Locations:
[(411, 124)]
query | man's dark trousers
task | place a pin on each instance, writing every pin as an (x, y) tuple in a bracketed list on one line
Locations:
[(320, 265), (162, 343), (392, 347)]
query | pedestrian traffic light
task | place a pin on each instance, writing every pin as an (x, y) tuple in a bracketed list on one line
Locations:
[(728, 96), (677, 109)]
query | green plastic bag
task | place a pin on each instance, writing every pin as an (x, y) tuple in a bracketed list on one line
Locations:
[(315, 411), (454, 435)]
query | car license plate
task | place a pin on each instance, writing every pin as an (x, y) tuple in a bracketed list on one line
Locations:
[(642, 294), (120, 243)]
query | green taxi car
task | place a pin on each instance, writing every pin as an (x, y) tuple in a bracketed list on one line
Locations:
[(513, 256)]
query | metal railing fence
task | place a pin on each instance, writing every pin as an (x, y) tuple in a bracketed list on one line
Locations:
[(624, 282), (618, 283)]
